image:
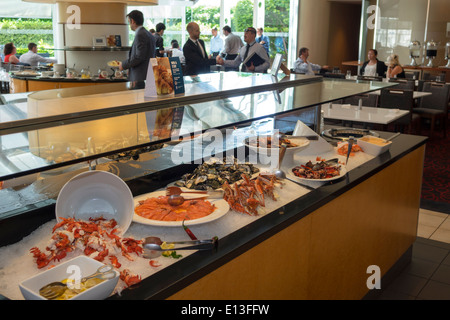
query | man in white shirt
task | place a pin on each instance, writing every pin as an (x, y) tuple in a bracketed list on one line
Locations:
[(302, 65), (32, 58), (216, 43), (233, 44), (176, 51), (246, 51)]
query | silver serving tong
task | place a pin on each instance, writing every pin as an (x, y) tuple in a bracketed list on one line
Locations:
[(152, 246), (351, 141)]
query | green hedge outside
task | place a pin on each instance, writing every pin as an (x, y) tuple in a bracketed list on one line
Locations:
[(43, 40)]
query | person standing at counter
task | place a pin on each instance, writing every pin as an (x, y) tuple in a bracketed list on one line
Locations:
[(194, 51), (142, 49), (246, 51), (302, 65), (373, 66), (33, 58)]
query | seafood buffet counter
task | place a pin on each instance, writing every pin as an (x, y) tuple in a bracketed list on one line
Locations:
[(316, 241)]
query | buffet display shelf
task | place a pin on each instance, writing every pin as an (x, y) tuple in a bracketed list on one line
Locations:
[(324, 240), (44, 120), (317, 243)]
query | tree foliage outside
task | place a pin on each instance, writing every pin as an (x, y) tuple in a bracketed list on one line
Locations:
[(277, 16), (23, 31), (276, 20), (242, 16)]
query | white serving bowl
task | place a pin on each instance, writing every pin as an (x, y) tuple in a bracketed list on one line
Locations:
[(87, 266), (95, 194), (301, 142), (373, 145)]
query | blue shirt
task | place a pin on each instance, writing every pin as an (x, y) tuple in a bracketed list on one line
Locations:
[(216, 44), (305, 67), (266, 40)]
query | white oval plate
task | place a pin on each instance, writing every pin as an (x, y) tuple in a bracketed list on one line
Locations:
[(343, 172), (303, 143), (221, 205)]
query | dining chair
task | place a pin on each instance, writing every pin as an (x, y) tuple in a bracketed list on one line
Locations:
[(404, 84), (413, 75), (422, 82), (392, 98), (435, 106), (368, 100)]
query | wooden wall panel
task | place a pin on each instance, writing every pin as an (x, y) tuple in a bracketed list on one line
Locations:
[(274, 269), (372, 224)]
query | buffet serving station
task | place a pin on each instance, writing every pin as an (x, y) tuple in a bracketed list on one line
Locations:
[(315, 240)]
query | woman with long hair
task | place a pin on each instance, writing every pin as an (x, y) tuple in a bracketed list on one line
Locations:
[(395, 69), (10, 53)]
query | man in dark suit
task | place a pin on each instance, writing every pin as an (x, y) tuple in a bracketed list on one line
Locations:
[(194, 51), (142, 50)]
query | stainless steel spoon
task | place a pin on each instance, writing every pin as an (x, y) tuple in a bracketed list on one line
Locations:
[(280, 173), (392, 137), (177, 200)]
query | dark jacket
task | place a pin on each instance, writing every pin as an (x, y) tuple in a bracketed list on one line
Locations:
[(142, 50), (195, 62), (381, 68), (159, 45)]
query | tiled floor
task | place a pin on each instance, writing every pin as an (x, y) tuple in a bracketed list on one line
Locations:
[(427, 277)]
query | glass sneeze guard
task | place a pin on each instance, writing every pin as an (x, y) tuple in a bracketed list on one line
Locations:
[(52, 147)]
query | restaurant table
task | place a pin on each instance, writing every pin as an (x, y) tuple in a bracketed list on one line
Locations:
[(346, 112), (416, 94)]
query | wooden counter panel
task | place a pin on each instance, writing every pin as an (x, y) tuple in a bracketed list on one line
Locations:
[(39, 85), (326, 254), (18, 86), (274, 269), (371, 224), (42, 85), (63, 85)]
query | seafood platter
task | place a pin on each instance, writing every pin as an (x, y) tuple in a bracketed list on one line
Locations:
[(218, 197), (321, 170), (91, 223)]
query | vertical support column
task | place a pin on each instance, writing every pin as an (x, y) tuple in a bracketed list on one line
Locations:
[(259, 11), (225, 14), (79, 22), (183, 28), (294, 25)]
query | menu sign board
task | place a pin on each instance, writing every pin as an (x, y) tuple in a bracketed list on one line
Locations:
[(164, 76), (177, 75)]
